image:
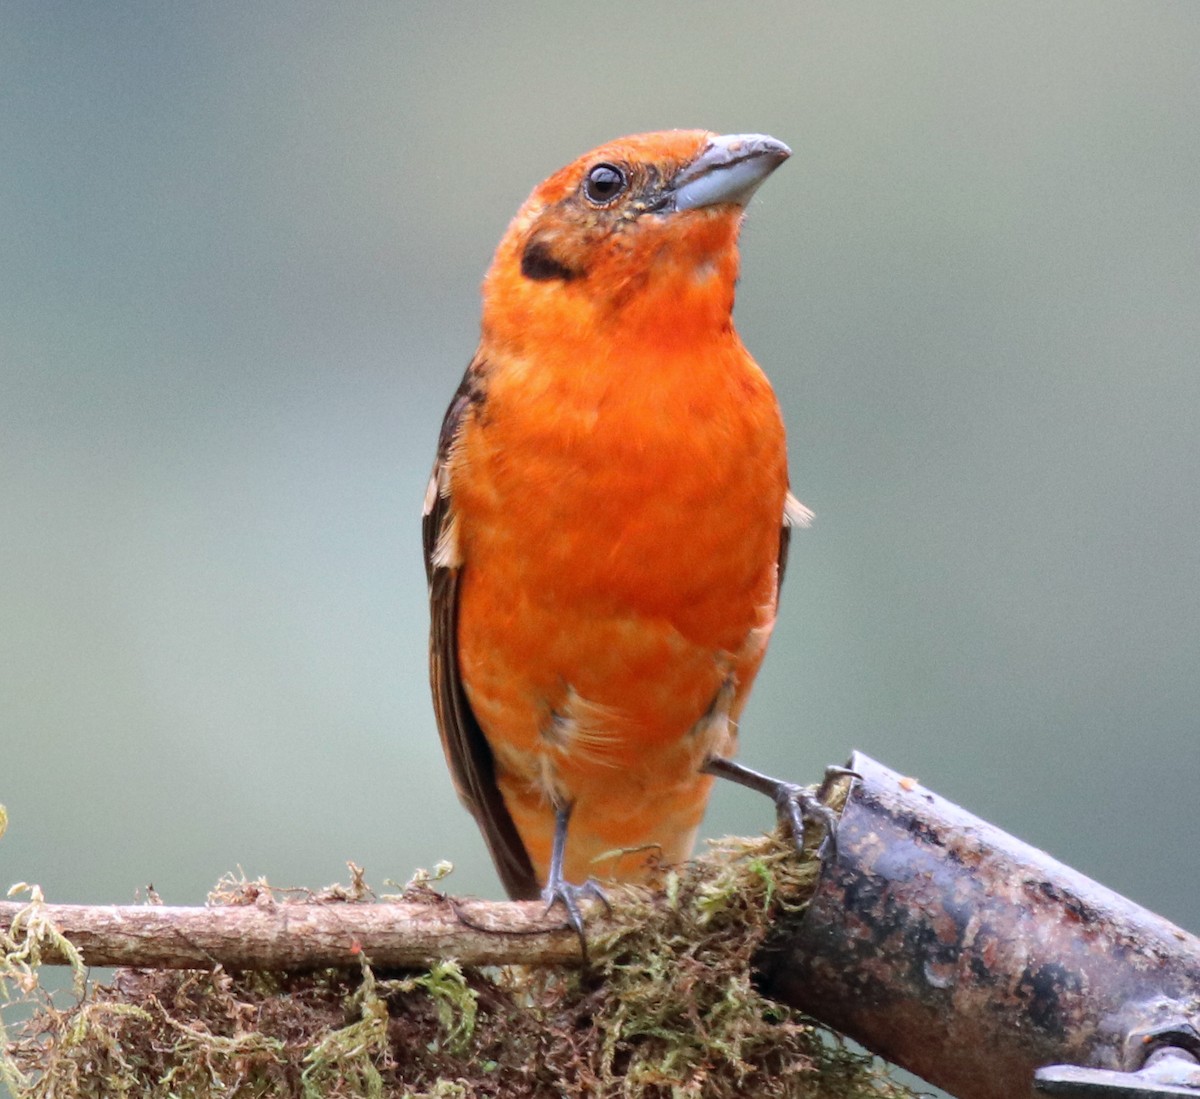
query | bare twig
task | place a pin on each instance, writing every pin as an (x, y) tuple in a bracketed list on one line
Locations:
[(308, 935)]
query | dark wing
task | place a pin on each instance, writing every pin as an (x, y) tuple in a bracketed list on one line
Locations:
[(795, 514), (471, 764)]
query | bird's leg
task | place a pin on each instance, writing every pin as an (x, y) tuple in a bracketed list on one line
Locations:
[(560, 891), (797, 805)]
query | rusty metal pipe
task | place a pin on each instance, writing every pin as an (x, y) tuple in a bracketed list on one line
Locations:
[(970, 958)]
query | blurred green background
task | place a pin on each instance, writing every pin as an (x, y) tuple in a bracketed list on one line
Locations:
[(241, 254)]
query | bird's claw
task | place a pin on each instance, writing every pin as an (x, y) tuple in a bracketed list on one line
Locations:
[(800, 805), (796, 805), (834, 772), (569, 895)]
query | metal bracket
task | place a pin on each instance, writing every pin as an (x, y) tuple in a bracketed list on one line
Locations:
[(1165, 1062), (1170, 1070)]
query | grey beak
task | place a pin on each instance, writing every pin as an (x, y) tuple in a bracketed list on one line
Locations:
[(728, 171)]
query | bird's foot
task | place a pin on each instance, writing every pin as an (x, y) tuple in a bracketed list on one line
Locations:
[(569, 895), (795, 805), (798, 806)]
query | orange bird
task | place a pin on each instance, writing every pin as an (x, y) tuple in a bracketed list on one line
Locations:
[(607, 523)]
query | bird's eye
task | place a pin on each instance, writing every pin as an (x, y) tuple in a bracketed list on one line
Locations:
[(604, 183)]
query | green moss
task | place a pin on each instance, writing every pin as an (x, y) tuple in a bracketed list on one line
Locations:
[(666, 1009)]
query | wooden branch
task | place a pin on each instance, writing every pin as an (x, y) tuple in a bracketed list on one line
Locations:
[(282, 935)]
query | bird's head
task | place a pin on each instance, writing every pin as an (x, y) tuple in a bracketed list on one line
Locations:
[(640, 233)]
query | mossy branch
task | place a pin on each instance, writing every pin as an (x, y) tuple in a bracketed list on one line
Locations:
[(343, 994), (665, 1007)]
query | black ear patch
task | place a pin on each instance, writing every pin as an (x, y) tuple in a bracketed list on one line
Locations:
[(538, 263)]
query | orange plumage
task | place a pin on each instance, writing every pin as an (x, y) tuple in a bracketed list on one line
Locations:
[(605, 526)]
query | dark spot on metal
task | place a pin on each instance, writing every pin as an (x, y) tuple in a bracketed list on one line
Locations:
[(1043, 990), (1073, 906)]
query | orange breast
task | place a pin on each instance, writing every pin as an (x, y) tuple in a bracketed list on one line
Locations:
[(619, 527)]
